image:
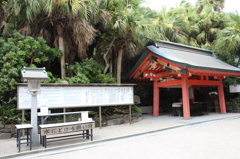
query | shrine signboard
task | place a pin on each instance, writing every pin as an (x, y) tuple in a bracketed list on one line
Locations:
[(234, 88), (77, 96)]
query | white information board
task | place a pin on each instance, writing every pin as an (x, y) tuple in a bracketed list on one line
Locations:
[(77, 96), (234, 88)]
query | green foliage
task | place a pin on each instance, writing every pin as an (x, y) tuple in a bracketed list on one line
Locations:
[(115, 6), (73, 117), (232, 80), (94, 114), (120, 110), (108, 111), (16, 52), (52, 79), (235, 102), (88, 71), (136, 109), (9, 114)]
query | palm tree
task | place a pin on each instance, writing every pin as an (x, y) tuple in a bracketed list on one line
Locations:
[(205, 25), (162, 25), (217, 5), (124, 36), (177, 25), (64, 24), (227, 43), (202, 27), (183, 24), (2, 16)]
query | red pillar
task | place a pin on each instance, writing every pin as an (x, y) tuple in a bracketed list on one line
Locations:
[(185, 97), (155, 98), (221, 96)]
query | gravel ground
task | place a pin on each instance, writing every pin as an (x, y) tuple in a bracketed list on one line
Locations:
[(221, 136), (213, 140)]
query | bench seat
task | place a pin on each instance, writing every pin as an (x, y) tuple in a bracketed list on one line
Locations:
[(48, 132)]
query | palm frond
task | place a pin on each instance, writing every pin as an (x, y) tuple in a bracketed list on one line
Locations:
[(83, 34)]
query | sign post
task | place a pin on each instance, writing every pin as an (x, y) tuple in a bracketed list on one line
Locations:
[(34, 77)]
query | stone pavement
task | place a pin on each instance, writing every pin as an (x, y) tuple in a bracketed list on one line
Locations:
[(149, 124)]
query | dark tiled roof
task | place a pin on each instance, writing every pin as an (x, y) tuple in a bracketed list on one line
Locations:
[(194, 60), (187, 57)]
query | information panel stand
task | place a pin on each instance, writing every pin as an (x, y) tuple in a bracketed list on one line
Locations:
[(72, 96)]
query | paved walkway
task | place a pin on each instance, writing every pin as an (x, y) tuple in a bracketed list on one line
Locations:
[(149, 124)]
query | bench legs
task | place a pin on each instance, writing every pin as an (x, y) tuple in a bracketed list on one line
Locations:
[(44, 140), (28, 139), (91, 134), (84, 135), (18, 140)]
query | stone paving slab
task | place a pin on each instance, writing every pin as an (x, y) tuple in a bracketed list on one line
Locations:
[(149, 124)]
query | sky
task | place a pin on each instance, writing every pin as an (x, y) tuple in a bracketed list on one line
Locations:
[(230, 5)]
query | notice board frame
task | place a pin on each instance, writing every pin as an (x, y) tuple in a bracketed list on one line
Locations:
[(125, 96)]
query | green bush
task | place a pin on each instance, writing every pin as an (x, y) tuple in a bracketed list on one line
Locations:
[(9, 114), (110, 110), (16, 52), (235, 102), (117, 110), (73, 117), (136, 109), (88, 71)]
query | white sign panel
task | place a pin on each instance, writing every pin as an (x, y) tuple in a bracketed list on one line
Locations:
[(77, 96), (234, 88)]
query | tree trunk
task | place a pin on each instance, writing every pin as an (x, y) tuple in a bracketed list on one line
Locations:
[(111, 65), (61, 47), (119, 66), (105, 57)]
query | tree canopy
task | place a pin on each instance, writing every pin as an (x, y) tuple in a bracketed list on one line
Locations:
[(107, 34), (111, 31)]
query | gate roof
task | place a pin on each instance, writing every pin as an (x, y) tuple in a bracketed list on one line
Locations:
[(182, 59)]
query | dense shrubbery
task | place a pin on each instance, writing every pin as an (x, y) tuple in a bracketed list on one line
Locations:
[(235, 103), (9, 114), (18, 51), (88, 71)]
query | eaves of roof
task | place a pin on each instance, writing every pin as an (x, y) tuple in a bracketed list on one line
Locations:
[(187, 57)]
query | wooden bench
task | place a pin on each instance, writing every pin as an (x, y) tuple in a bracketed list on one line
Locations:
[(48, 130)]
